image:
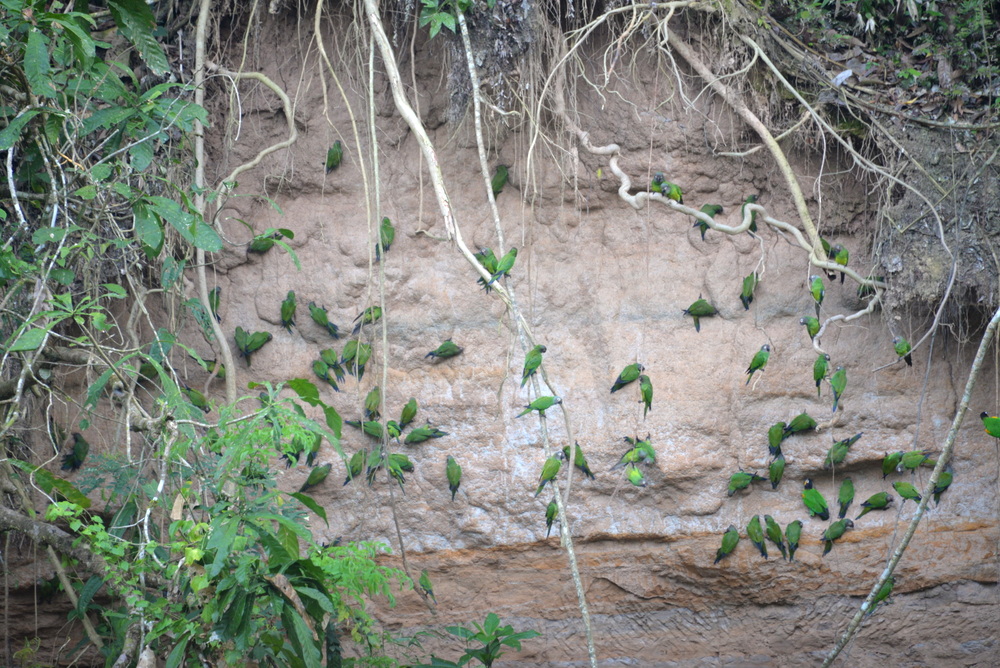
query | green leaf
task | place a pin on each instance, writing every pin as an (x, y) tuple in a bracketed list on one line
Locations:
[(491, 624), (114, 290), (28, 340), (10, 134), (44, 235), (206, 238), (176, 657), (149, 229), (94, 391), (48, 482), (221, 539), (36, 64), (92, 586), (306, 390), (311, 504), (322, 599), (142, 155), (100, 172), (62, 276), (87, 192), (105, 118), (83, 45), (136, 22)]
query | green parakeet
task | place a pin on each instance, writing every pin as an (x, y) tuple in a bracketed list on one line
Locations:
[(838, 451), (882, 594), (334, 155), (812, 325), (643, 448), (332, 360), (710, 210), (426, 586), (489, 261), (865, 290), (373, 403), (775, 435), (541, 404), (838, 383), (386, 235), (729, 542), (820, 367), (499, 180), (393, 429), (845, 497), (628, 375), (793, 532), (550, 516), (322, 371), (454, 473), (817, 291), (666, 188), (814, 501), (354, 356), (445, 350), (991, 424), (906, 491), (890, 462), (248, 344), (840, 255), (756, 535), (902, 348), (758, 362), (741, 480), (646, 391), (214, 301), (371, 427), (421, 434), (635, 476), (196, 398), (746, 294), (532, 361), (550, 469), (773, 531), (833, 532), (879, 501), (216, 367), (801, 422), (699, 309), (320, 317), (356, 465), (751, 199), (288, 311), (914, 459), (776, 470), (942, 484), (316, 477), (579, 461), (73, 459), (367, 317), (504, 265), (409, 412)]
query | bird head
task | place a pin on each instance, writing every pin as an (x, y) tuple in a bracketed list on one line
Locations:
[(849, 524), (766, 347), (809, 483)]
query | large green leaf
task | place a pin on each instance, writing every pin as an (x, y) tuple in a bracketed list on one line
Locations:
[(10, 134), (136, 22), (49, 483), (28, 340), (36, 64)]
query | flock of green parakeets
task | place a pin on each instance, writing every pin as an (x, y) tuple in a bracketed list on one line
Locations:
[(814, 502), (331, 368)]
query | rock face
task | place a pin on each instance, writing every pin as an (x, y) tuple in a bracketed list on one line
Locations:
[(602, 286)]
